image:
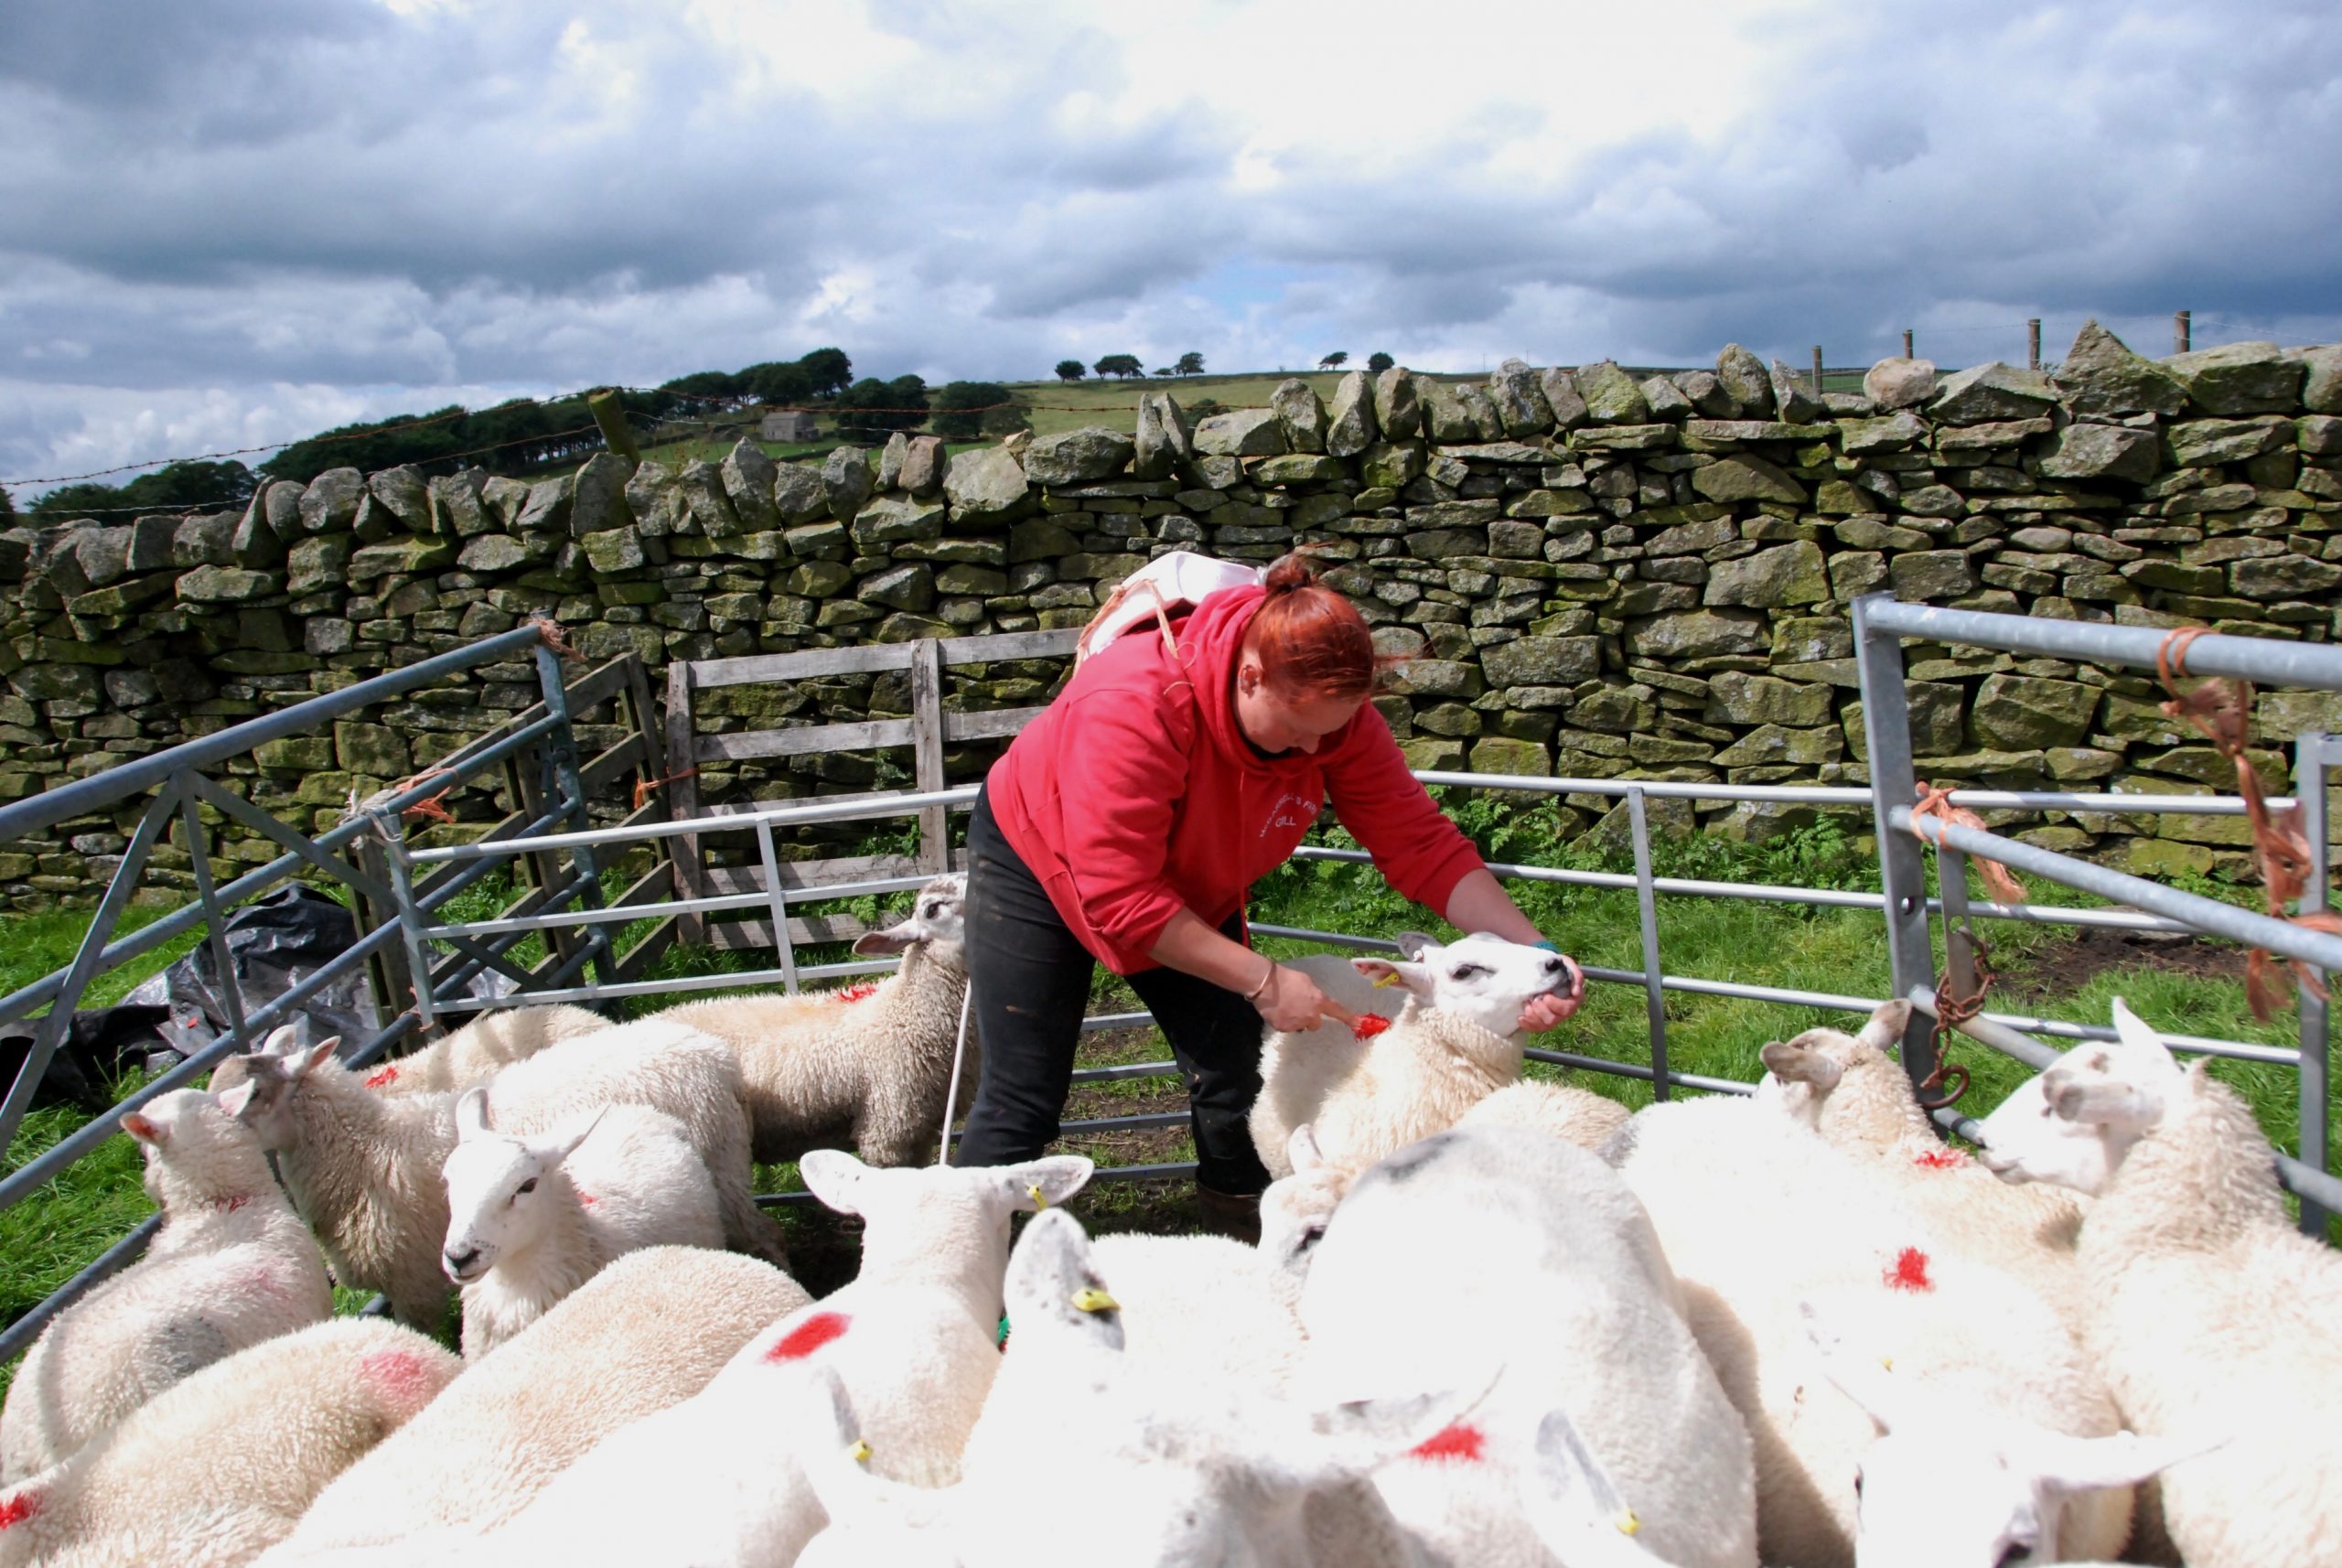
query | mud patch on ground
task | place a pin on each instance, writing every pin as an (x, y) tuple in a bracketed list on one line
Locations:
[(2064, 966)]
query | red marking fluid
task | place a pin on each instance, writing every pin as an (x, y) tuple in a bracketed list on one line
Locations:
[(18, 1506), (588, 1200), (1941, 1159), (1910, 1272), (381, 1076), (1369, 1025), (230, 1205), (399, 1375), (862, 993), (1458, 1440), (809, 1336)]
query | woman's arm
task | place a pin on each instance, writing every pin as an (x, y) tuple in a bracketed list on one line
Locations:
[(1289, 1000)]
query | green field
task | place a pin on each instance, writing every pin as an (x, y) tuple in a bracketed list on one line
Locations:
[(2187, 987)]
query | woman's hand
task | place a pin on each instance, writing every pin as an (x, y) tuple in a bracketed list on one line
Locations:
[(1544, 1012), (1291, 1002)]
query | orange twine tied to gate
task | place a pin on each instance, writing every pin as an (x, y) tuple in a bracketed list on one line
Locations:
[(646, 788), (2221, 711), (550, 633), (1937, 802), (430, 807)]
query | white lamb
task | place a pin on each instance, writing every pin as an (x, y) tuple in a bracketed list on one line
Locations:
[(1455, 1041), (1854, 1092), (1758, 1216), (864, 1064), (1946, 1486), (216, 1469), (1295, 1208), (1205, 1306), (232, 1265), (533, 1218), (644, 1334), (363, 1168), (1129, 1464), (2211, 1315), (482, 1048), (913, 1338), (1435, 1248)]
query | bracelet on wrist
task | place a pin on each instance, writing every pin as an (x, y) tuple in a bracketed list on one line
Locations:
[(1267, 975)]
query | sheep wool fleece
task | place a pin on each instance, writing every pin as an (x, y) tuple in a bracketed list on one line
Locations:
[(1135, 794)]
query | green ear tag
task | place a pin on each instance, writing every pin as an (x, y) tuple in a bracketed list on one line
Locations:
[(1004, 1331)]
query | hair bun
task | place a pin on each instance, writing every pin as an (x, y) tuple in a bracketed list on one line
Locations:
[(1290, 571)]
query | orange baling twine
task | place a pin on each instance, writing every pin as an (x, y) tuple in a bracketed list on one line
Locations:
[(646, 788), (2221, 711), (555, 638), (1936, 802), (430, 808), (1122, 590), (1952, 1009)]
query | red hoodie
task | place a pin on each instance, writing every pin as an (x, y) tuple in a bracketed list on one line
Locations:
[(1135, 793)]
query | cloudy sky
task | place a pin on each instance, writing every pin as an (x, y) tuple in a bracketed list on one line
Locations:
[(238, 222)]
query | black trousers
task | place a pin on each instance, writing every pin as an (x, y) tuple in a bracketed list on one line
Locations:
[(1031, 981)]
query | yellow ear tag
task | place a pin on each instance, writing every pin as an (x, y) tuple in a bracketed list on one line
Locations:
[(859, 1453), (1384, 979), (1039, 1203), (1887, 1362), (1627, 1523), (1090, 1298)]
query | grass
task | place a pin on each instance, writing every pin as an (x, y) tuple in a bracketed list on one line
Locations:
[(44, 1239)]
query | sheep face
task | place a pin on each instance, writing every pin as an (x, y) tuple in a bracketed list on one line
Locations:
[(188, 1130), (499, 1200), (1483, 980), (270, 1080), (1805, 1069), (936, 920), (1294, 1212), (928, 1201), (1946, 1486), (2072, 1124)]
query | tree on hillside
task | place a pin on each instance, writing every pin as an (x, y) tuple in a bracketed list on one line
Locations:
[(1380, 361), (181, 487), (960, 407), (1335, 360), (713, 385), (7, 507), (783, 382), (1071, 370), (1191, 364), (871, 404), (1203, 408), (828, 369), (1122, 365), (1164, 370)]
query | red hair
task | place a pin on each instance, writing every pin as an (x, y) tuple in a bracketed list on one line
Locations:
[(1312, 641)]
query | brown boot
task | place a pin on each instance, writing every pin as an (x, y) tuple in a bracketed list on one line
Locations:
[(1235, 1215)]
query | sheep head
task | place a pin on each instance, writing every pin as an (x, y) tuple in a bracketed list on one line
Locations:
[(499, 1189), (1808, 1068), (1484, 979), (2073, 1123), (937, 919), (263, 1097)]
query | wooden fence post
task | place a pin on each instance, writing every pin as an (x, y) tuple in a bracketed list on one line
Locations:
[(2032, 344), (1817, 369), (927, 752), (609, 413), (2183, 331), (1907, 344)]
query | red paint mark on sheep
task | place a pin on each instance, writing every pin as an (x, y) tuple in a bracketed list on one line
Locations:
[(1941, 1159), (230, 1205), (809, 1336), (1910, 1272), (1458, 1440), (862, 993), (381, 1077), (18, 1506), (400, 1377), (1369, 1025), (588, 1200)]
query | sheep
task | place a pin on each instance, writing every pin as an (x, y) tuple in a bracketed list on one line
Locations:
[(1295, 1208), (1205, 1306), (2210, 1314), (363, 1168), (1137, 1463), (531, 1220), (1758, 1215), (1947, 1485), (232, 1265), (913, 1337), (217, 1467), (1506, 1225), (483, 1048), (644, 1334), (1857, 1096), (1456, 1040), (869, 1065)]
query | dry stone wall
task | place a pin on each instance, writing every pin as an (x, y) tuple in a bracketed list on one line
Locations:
[(1590, 575)]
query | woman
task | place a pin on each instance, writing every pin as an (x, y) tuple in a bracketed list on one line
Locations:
[(1123, 827)]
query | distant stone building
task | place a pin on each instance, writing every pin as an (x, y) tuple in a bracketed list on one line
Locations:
[(787, 427)]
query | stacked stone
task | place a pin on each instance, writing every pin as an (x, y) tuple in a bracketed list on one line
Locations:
[(1587, 573)]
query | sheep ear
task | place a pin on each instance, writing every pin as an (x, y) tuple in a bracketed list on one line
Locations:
[(561, 1149), (284, 1040), (1416, 977), (1884, 1030), (1414, 944), (1794, 1063), (303, 1062), (235, 1097), (894, 939), (471, 1115), (1570, 1483), (2097, 1101), (145, 1129), (1046, 1182), (1301, 1150), (2139, 1036), (835, 1177), (2124, 1459), (1053, 1291), (1365, 1435), (1866, 1380)]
